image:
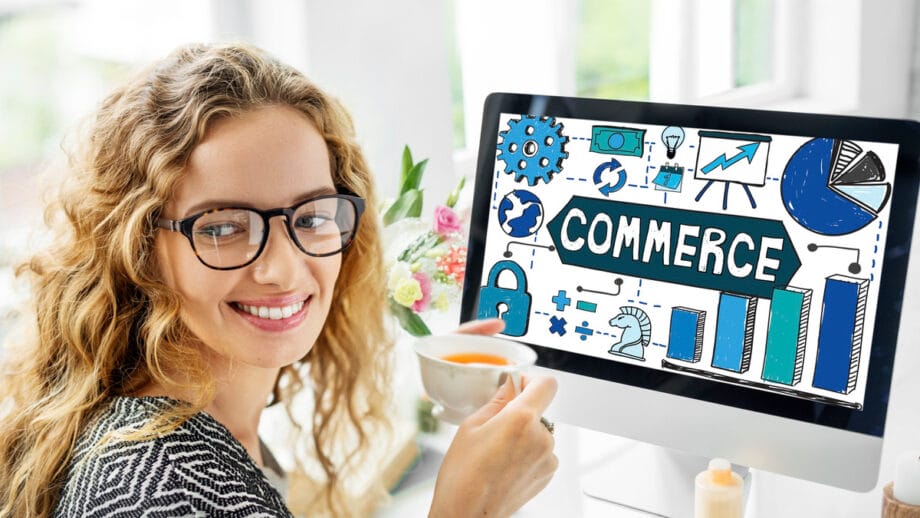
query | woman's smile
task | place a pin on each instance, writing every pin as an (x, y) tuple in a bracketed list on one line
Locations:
[(274, 315)]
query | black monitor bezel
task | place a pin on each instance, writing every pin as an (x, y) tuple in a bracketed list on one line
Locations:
[(868, 420)]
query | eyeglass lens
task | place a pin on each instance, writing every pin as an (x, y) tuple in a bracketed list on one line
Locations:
[(233, 237)]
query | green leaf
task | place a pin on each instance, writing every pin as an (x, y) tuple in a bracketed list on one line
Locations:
[(408, 319), (455, 194), (406, 162), (408, 205), (414, 178)]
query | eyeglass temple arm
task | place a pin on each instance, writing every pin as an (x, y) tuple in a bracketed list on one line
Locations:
[(169, 224)]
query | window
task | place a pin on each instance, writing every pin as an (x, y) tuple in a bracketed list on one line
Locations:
[(754, 42), (57, 61), (720, 51), (612, 49)]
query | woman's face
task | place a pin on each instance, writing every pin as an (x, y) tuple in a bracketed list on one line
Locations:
[(267, 158)]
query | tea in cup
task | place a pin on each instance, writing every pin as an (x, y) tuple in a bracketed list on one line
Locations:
[(461, 373)]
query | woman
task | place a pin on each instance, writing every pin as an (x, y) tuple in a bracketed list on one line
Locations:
[(176, 303)]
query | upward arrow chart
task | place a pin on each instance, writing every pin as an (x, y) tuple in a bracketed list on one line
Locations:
[(746, 151), (740, 159)]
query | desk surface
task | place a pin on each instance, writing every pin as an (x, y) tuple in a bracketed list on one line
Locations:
[(771, 495)]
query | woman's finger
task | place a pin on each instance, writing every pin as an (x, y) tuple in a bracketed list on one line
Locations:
[(489, 326)]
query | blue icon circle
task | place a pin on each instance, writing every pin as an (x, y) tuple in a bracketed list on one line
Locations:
[(812, 199), (616, 141), (520, 213)]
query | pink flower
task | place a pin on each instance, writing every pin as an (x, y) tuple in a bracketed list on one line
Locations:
[(453, 263), (446, 221), (425, 283)]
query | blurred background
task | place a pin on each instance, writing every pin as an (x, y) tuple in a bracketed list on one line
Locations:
[(416, 72)]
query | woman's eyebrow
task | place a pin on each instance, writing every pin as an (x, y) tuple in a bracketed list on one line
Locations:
[(218, 203)]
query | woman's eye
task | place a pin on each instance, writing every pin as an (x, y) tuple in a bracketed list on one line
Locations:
[(310, 221), (219, 230)]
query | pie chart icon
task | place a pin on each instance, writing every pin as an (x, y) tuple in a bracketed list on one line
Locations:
[(833, 187)]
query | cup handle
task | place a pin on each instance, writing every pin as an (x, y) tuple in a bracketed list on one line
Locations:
[(515, 375)]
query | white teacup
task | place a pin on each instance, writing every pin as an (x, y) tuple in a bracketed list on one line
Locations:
[(459, 389)]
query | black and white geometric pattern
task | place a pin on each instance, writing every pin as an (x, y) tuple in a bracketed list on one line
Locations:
[(200, 469)]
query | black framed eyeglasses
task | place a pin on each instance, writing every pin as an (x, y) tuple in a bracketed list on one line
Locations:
[(233, 237)]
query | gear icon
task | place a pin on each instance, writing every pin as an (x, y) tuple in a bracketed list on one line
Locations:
[(533, 148)]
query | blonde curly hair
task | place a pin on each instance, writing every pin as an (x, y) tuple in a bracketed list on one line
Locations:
[(106, 324)]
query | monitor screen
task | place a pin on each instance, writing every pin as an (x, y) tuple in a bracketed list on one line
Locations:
[(751, 261)]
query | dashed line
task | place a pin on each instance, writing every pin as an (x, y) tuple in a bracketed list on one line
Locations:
[(658, 344), (540, 313), (878, 238)]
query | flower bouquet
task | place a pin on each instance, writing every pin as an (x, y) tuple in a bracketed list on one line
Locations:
[(426, 260)]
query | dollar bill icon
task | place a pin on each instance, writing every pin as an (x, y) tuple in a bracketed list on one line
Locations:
[(613, 140)]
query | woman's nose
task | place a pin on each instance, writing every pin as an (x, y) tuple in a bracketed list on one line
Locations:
[(281, 261)]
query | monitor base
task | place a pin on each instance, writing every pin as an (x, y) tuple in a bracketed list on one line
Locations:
[(651, 479)]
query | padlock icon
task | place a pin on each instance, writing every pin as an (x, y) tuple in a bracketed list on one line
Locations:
[(516, 300)]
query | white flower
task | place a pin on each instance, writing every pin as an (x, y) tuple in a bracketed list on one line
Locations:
[(399, 272)]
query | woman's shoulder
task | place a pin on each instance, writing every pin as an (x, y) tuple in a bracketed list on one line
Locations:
[(197, 468)]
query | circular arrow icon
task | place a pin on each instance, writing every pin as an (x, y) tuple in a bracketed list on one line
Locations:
[(616, 167)]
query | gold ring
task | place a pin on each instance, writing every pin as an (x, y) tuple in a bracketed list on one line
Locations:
[(550, 427)]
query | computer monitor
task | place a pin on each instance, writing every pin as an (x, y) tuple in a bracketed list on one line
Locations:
[(722, 282)]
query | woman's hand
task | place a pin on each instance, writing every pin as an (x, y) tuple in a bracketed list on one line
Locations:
[(489, 326), (502, 455)]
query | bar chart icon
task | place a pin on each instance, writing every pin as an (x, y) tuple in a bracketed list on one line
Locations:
[(787, 332), (841, 333), (734, 332), (685, 339)]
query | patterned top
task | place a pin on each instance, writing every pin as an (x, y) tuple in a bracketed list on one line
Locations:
[(199, 469)]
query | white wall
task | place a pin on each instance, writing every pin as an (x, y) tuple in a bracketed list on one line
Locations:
[(387, 61)]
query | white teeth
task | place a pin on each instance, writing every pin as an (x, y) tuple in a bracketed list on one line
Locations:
[(272, 313)]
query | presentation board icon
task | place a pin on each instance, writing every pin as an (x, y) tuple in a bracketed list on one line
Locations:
[(732, 157)]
